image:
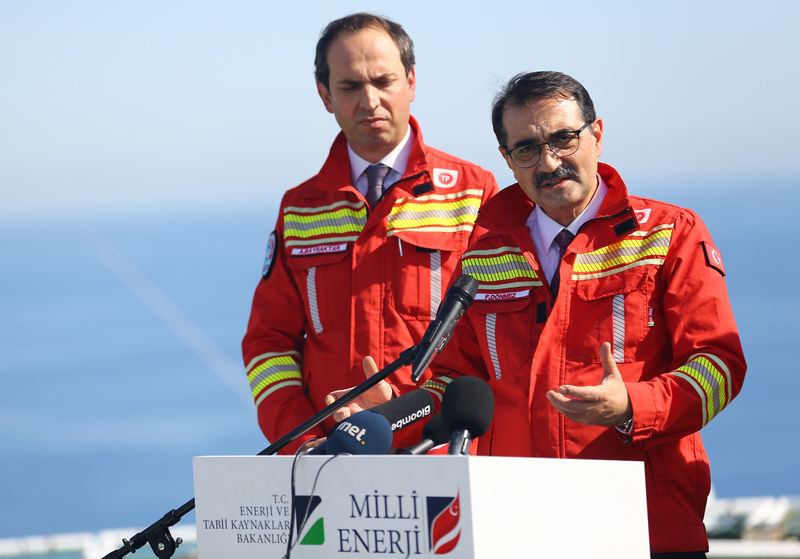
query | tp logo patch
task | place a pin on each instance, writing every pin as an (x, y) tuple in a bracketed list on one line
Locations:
[(445, 178), (304, 507), (444, 523)]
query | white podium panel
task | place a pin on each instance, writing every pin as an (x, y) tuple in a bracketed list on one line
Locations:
[(454, 507)]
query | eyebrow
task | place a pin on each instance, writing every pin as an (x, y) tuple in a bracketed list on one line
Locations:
[(534, 141), (385, 76)]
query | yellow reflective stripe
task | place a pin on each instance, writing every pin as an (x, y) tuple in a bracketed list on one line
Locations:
[(436, 386), (274, 369), (509, 266), (625, 252), (258, 358), (304, 226), (318, 209), (435, 211), (490, 251), (711, 380), (431, 229)]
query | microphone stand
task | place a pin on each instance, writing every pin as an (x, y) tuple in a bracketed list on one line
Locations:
[(158, 535)]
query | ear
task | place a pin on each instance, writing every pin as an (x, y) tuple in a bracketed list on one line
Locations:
[(412, 84), (597, 132), (325, 95)]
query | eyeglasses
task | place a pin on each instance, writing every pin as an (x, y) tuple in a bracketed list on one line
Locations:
[(562, 144)]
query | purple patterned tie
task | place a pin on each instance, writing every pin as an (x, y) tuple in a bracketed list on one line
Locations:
[(375, 175), (563, 239)]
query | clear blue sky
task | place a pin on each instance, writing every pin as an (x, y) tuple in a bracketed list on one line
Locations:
[(108, 105)]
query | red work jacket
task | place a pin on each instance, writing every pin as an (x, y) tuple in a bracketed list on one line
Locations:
[(642, 275), (342, 281)]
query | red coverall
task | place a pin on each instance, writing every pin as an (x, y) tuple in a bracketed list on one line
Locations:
[(644, 276), (342, 282)]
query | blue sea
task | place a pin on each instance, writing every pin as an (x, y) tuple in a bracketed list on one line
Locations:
[(120, 360)]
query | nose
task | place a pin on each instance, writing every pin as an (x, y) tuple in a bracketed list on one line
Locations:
[(548, 160), (370, 98)]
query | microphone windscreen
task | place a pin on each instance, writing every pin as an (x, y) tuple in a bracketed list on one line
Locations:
[(364, 432), (436, 430), (406, 409), (468, 403)]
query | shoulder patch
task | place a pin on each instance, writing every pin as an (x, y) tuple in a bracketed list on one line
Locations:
[(272, 253), (445, 178), (713, 257)]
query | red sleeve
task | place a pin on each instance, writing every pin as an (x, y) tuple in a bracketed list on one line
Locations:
[(272, 350), (708, 364)]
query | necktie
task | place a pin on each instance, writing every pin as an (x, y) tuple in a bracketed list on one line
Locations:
[(375, 175), (562, 240)]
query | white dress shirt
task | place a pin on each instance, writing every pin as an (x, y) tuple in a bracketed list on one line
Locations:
[(396, 160), (543, 229)]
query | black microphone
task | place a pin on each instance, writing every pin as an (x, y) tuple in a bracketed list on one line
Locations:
[(406, 409), (434, 433), (364, 432), (467, 409), (456, 301)]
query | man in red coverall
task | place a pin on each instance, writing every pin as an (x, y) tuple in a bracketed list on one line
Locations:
[(620, 345), (350, 273)]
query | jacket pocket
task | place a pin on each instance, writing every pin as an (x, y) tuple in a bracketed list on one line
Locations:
[(610, 309), (423, 266), (506, 332), (324, 279)]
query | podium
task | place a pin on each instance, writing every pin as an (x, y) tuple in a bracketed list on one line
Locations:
[(454, 507)]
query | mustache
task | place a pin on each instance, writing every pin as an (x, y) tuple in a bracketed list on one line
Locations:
[(560, 173)]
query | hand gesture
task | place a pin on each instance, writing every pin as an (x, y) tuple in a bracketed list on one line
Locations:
[(378, 394), (607, 403)]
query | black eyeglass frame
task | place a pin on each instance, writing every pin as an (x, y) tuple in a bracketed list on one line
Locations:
[(549, 146)]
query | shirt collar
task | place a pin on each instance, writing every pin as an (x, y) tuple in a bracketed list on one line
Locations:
[(396, 160), (544, 228)]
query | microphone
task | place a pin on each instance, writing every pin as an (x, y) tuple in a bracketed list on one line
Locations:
[(434, 433), (467, 410), (456, 301), (364, 432), (406, 409)]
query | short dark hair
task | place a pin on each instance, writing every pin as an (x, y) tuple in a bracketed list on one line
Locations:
[(356, 22), (530, 86)]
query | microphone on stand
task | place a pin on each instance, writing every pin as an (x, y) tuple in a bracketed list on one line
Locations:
[(456, 301), (467, 410), (434, 433), (364, 432)]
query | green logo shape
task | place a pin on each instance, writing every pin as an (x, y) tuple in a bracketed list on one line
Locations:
[(315, 534)]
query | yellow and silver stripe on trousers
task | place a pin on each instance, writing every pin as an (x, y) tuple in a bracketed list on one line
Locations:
[(711, 379), (269, 372)]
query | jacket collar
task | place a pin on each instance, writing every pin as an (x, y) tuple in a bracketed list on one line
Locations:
[(510, 208), (335, 172)]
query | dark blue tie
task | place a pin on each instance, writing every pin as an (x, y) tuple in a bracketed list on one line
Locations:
[(375, 176), (562, 240)]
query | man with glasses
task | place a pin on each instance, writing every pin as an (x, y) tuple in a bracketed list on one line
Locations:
[(602, 320), (362, 251)]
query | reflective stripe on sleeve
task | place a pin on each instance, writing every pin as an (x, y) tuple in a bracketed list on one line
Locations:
[(269, 372), (711, 379)]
